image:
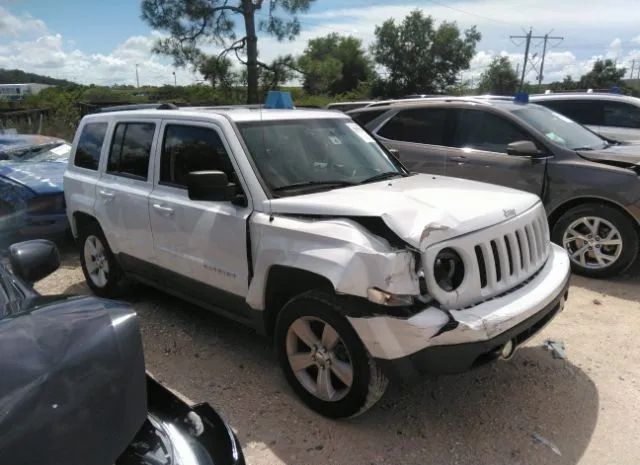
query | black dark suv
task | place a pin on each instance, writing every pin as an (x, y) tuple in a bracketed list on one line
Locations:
[(590, 186)]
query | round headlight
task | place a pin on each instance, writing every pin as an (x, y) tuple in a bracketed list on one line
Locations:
[(448, 269)]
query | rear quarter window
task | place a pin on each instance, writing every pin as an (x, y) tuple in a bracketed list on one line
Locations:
[(90, 145)]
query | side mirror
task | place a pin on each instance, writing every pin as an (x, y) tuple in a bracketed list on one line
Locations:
[(33, 260), (523, 148), (210, 185)]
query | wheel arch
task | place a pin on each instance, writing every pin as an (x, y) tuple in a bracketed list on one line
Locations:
[(285, 282), (564, 207), (81, 219)]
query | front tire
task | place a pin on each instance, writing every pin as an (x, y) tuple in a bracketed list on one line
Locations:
[(600, 240), (323, 358), (101, 270)]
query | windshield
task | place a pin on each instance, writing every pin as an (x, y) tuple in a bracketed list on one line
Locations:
[(58, 152), (314, 154), (560, 129)]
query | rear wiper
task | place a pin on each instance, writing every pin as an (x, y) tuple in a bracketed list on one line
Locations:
[(302, 185), (584, 149), (381, 176)]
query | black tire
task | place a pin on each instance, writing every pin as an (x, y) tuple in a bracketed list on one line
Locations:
[(368, 382), (623, 223), (113, 275)]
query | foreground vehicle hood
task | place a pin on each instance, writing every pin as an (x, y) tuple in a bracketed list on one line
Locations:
[(41, 177), (421, 209), (72, 383)]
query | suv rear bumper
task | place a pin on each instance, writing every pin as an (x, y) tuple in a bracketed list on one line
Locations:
[(433, 341)]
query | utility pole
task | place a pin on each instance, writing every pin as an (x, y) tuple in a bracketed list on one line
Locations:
[(526, 54), (633, 67), (137, 78), (528, 38)]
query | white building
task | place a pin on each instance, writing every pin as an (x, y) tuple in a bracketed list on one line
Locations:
[(19, 91)]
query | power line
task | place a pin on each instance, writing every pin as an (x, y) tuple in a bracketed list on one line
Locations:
[(528, 37)]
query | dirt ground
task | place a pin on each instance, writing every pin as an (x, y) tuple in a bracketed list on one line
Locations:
[(586, 407)]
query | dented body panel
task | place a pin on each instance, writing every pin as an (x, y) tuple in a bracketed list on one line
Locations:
[(341, 250)]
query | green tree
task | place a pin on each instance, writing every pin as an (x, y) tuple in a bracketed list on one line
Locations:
[(604, 74), (194, 23), (334, 64), (218, 71), (420, 58), (499, 78)]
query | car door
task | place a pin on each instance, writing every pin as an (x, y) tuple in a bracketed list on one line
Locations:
[(198, 242), (479, 152), (420, 135), (124, 186), (621, 121)]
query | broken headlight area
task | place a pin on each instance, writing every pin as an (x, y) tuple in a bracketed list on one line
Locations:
[(380, 297), (448, 269)]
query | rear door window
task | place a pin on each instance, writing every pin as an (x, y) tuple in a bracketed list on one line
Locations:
[(364, 117), (131, 149), (581, 111), (421, 126), (90, 145), (481, 130), (191, 148), (622, 115)]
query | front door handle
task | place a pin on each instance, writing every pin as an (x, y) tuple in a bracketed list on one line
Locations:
[(108, 196), (458, 159), (164, 210)]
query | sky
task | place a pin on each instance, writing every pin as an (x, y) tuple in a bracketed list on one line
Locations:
[(100, 42)]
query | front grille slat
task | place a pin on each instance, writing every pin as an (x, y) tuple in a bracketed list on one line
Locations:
[(504, 259), (515, 254), (524, 248), (490, 265)]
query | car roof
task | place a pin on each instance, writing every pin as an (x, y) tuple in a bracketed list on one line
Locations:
[(586, 96), (240, 113), (505, 103)]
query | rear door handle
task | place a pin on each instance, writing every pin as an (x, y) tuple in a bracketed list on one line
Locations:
[(164, 210), (458, 159)]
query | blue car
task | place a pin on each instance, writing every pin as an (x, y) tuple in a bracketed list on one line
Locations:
[(31, 191)]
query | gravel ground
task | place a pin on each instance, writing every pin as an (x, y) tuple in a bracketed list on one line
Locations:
[(585, 407)]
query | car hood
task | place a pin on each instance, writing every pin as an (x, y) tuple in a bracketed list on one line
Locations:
[(625, 154), (421, 209), (41, 177)]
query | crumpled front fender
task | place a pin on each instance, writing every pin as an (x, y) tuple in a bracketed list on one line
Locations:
[(343, 251)]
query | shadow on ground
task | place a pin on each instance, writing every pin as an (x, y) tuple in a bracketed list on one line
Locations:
[(626, 286), (487, 416)]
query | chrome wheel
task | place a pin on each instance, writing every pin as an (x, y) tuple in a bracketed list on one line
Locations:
[(592, 242), (96, 261), (319, 358)]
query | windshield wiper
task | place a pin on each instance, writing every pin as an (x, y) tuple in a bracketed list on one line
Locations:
[(381, 176), (302, 185)]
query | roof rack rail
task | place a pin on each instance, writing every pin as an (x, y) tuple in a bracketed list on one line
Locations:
[(140, 106)]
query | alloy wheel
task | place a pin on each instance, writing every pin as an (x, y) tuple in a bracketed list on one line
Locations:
[(96, 260), (592, 242), (319, 358)]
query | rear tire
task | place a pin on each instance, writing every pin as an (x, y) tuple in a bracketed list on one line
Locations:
[(600, 240), (100, 267), (334, 374)]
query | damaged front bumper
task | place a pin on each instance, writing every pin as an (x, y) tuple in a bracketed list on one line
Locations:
[(435, 341)]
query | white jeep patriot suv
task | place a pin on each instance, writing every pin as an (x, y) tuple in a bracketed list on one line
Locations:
[(300, 224)]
